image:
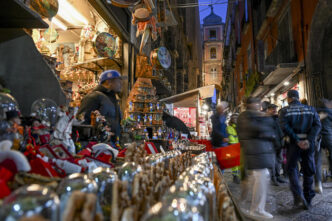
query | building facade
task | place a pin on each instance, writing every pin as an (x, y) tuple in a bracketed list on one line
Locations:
[(272, 46), (213, 39)]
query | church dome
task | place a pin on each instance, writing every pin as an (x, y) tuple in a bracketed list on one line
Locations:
[(212, 19)]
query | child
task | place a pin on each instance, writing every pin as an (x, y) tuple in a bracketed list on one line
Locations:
[(233, 139)]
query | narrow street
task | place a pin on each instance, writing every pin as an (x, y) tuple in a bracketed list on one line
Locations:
[(280, 202)]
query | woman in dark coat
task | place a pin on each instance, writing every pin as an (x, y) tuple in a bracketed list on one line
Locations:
[(256, 135)]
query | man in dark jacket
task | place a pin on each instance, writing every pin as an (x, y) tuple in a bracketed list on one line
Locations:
[(103, 99), (256, 135), (278, 145), (219, 136), (302, 125)]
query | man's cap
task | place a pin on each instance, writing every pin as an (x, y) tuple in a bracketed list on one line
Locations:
[(272, 106), (12, 114), (293, 94), (253, 100), (110, 74)]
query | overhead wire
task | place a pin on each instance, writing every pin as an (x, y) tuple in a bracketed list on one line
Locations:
[(189, 5)]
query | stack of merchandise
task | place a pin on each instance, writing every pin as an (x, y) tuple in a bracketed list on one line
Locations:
[(144, 108), (155, 187)]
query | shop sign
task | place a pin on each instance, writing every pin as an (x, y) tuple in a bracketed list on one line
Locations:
[(187, 115)]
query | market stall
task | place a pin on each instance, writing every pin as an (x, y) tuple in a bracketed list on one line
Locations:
[(183, 184), (79, 45), (195, 108), (54, 168)]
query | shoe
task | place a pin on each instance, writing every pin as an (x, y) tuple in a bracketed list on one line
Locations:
[(319, 187), (281, 180), (262, 215), (300, 202), (274, 182), (236, 179)]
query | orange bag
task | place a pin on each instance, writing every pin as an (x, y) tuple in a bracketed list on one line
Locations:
[(228, 156)]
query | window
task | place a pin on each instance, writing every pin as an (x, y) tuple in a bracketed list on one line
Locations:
[(214, 74), (213, 34), (213, 53)]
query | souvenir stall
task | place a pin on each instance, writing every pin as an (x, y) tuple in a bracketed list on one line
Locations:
[(142, 105), (49, 176), (193, 108), (47, 173), (78, 45)]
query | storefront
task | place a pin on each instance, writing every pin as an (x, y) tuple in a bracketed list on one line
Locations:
[(65, 172), (195, 108), (79, 45)]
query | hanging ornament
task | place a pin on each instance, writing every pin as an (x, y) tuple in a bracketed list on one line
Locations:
[(46, 8), (161, 58)]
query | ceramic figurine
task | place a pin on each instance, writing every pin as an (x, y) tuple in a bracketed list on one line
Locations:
[(63, 129)]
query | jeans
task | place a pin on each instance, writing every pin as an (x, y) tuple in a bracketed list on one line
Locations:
[(257, 183), (275, 171), (318, 160), (294, 154)]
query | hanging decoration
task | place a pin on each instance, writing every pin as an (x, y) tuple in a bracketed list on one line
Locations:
[(161, 58), (106, 45), (146, 29), (46, 8), (123, 3)]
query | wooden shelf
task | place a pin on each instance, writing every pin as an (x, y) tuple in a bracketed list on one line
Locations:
[(142, 112), (15, 14), (98, 64)]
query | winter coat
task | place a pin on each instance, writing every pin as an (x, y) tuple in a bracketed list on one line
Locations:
[(106, 103), (218, 130), (326, 121), (256, 135), (232, 134)]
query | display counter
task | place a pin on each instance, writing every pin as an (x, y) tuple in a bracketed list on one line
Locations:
[(182, 184)]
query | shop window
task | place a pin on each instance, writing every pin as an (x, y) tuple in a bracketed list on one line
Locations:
[(213, 34), (213, 53)]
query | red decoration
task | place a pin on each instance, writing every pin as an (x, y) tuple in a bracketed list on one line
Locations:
[(39, 166), (150, 148)]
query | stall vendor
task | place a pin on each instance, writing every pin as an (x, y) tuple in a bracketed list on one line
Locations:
[(103, 99)]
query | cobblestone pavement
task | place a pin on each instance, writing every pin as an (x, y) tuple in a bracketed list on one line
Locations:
[(280, 202)]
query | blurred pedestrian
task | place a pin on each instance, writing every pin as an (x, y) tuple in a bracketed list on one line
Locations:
[(278, 145), (302, 125), (233, 139), (219, 136), (256, 135), (325, 114)]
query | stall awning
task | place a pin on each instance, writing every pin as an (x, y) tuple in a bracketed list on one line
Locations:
[(15, 14), (281, 72), (203, 92), (260, 90), (276, 79), (288, 78)]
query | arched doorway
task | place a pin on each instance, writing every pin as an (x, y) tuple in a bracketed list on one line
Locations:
[(319, 54)]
